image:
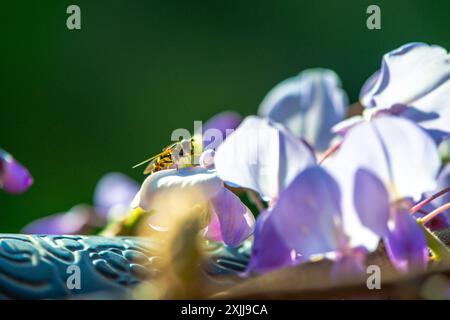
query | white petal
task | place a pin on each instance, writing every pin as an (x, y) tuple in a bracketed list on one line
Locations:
[(435, 109), (407, 74), (174, 190), (416, 76), (342, 127), (262, 157)]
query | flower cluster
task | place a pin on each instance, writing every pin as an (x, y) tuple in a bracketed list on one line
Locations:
[(373, 169)]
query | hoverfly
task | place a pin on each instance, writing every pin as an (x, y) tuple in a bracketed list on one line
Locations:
[(170, 157)]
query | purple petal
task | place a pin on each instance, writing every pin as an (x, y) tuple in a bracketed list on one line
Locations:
[(307, 215), (14, 178), (76, 221), (222, 123), (262, 157), (235, 219), (114, 189), (269, 252), (406, 244), (213, 232), (227, 120), (416, 75), (398, 153), (308, 105), (372, 202)]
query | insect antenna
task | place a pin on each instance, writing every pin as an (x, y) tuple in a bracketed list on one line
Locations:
[(145, 161)]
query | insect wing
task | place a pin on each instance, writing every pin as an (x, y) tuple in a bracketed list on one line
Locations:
[(151, 165)]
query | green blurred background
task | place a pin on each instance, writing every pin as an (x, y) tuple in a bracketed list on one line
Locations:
[(78, 104)]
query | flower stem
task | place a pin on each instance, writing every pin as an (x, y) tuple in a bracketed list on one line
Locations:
[(422, 212), (423, 203), (330, 152), (435, 212)]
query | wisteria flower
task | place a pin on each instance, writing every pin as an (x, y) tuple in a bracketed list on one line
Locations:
[(413, 82), (381, 166), (112, 198), (309, 105), (169, 193), (14, 177), (262, 156), (306, 221)]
